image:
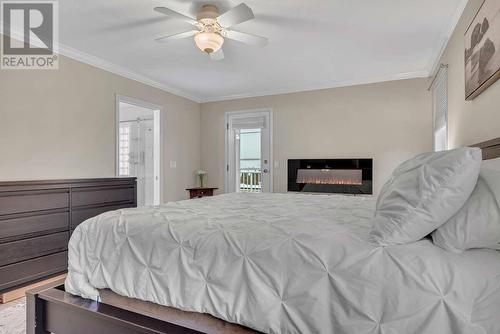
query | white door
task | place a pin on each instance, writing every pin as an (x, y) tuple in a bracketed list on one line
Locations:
[(248, 151)]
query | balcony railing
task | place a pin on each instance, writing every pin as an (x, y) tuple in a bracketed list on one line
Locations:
[(250, 180)]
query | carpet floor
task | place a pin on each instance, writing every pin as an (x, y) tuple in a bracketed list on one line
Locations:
[(13, 317)]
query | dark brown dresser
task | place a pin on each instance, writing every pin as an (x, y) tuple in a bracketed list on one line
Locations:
[(38, 217)]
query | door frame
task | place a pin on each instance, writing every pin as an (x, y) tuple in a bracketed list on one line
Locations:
[(158, 140), (227, 115)]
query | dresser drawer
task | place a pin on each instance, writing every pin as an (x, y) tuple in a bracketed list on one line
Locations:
[(32, 226), (29, 201), (89, 196), (16, 251), (26, 271), (78, 216)]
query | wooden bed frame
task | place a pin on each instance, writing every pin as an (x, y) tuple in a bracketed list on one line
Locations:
[(52, 310), (491, 148)]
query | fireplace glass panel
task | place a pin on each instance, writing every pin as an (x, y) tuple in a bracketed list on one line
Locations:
[(341, 176)]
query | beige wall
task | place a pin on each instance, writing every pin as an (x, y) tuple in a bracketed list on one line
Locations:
[(389, 121), (61, 124), (474, 121)]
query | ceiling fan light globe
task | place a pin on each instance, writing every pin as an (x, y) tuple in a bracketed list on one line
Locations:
[(208, 41)]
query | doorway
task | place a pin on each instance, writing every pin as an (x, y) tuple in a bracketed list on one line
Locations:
[(138, 147), (249, 151)]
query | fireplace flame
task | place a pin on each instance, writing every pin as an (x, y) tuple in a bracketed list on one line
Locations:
[(330, 176)]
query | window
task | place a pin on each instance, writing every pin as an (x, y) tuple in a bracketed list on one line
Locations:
[(440, 107), (250, 149), (249, 162)]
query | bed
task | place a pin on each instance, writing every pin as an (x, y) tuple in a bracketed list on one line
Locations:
[(264, 263)]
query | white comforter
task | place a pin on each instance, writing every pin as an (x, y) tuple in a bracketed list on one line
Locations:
[(285, 263)]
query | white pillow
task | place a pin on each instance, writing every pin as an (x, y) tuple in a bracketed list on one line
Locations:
[(423, 193), (477, 223)]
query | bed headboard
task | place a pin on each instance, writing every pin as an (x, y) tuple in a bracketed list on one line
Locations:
[(491, 148)]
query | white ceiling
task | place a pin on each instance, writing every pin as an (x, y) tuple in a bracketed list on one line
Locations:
[(313, 44)]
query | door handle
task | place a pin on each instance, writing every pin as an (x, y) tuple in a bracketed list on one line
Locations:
[(265, 171)]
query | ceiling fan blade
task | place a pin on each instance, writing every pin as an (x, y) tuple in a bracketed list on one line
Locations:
[(166, 39), (176, 15), (236, 15), (219, 55), (246, 38)]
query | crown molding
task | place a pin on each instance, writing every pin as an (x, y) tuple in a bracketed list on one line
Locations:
[(446, 34), (320, 86), (105, 65), (122, 71)]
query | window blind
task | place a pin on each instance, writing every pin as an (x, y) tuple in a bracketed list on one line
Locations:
[(251, 122)]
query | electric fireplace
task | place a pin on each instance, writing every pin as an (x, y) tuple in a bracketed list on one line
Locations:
[(344, 176)]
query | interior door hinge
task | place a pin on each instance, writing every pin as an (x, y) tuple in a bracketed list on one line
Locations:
[(227, 126), (227, 168)]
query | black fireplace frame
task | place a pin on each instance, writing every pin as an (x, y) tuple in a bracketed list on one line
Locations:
[(365, 165)]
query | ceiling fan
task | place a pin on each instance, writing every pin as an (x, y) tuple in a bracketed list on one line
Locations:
[(213, 27)]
